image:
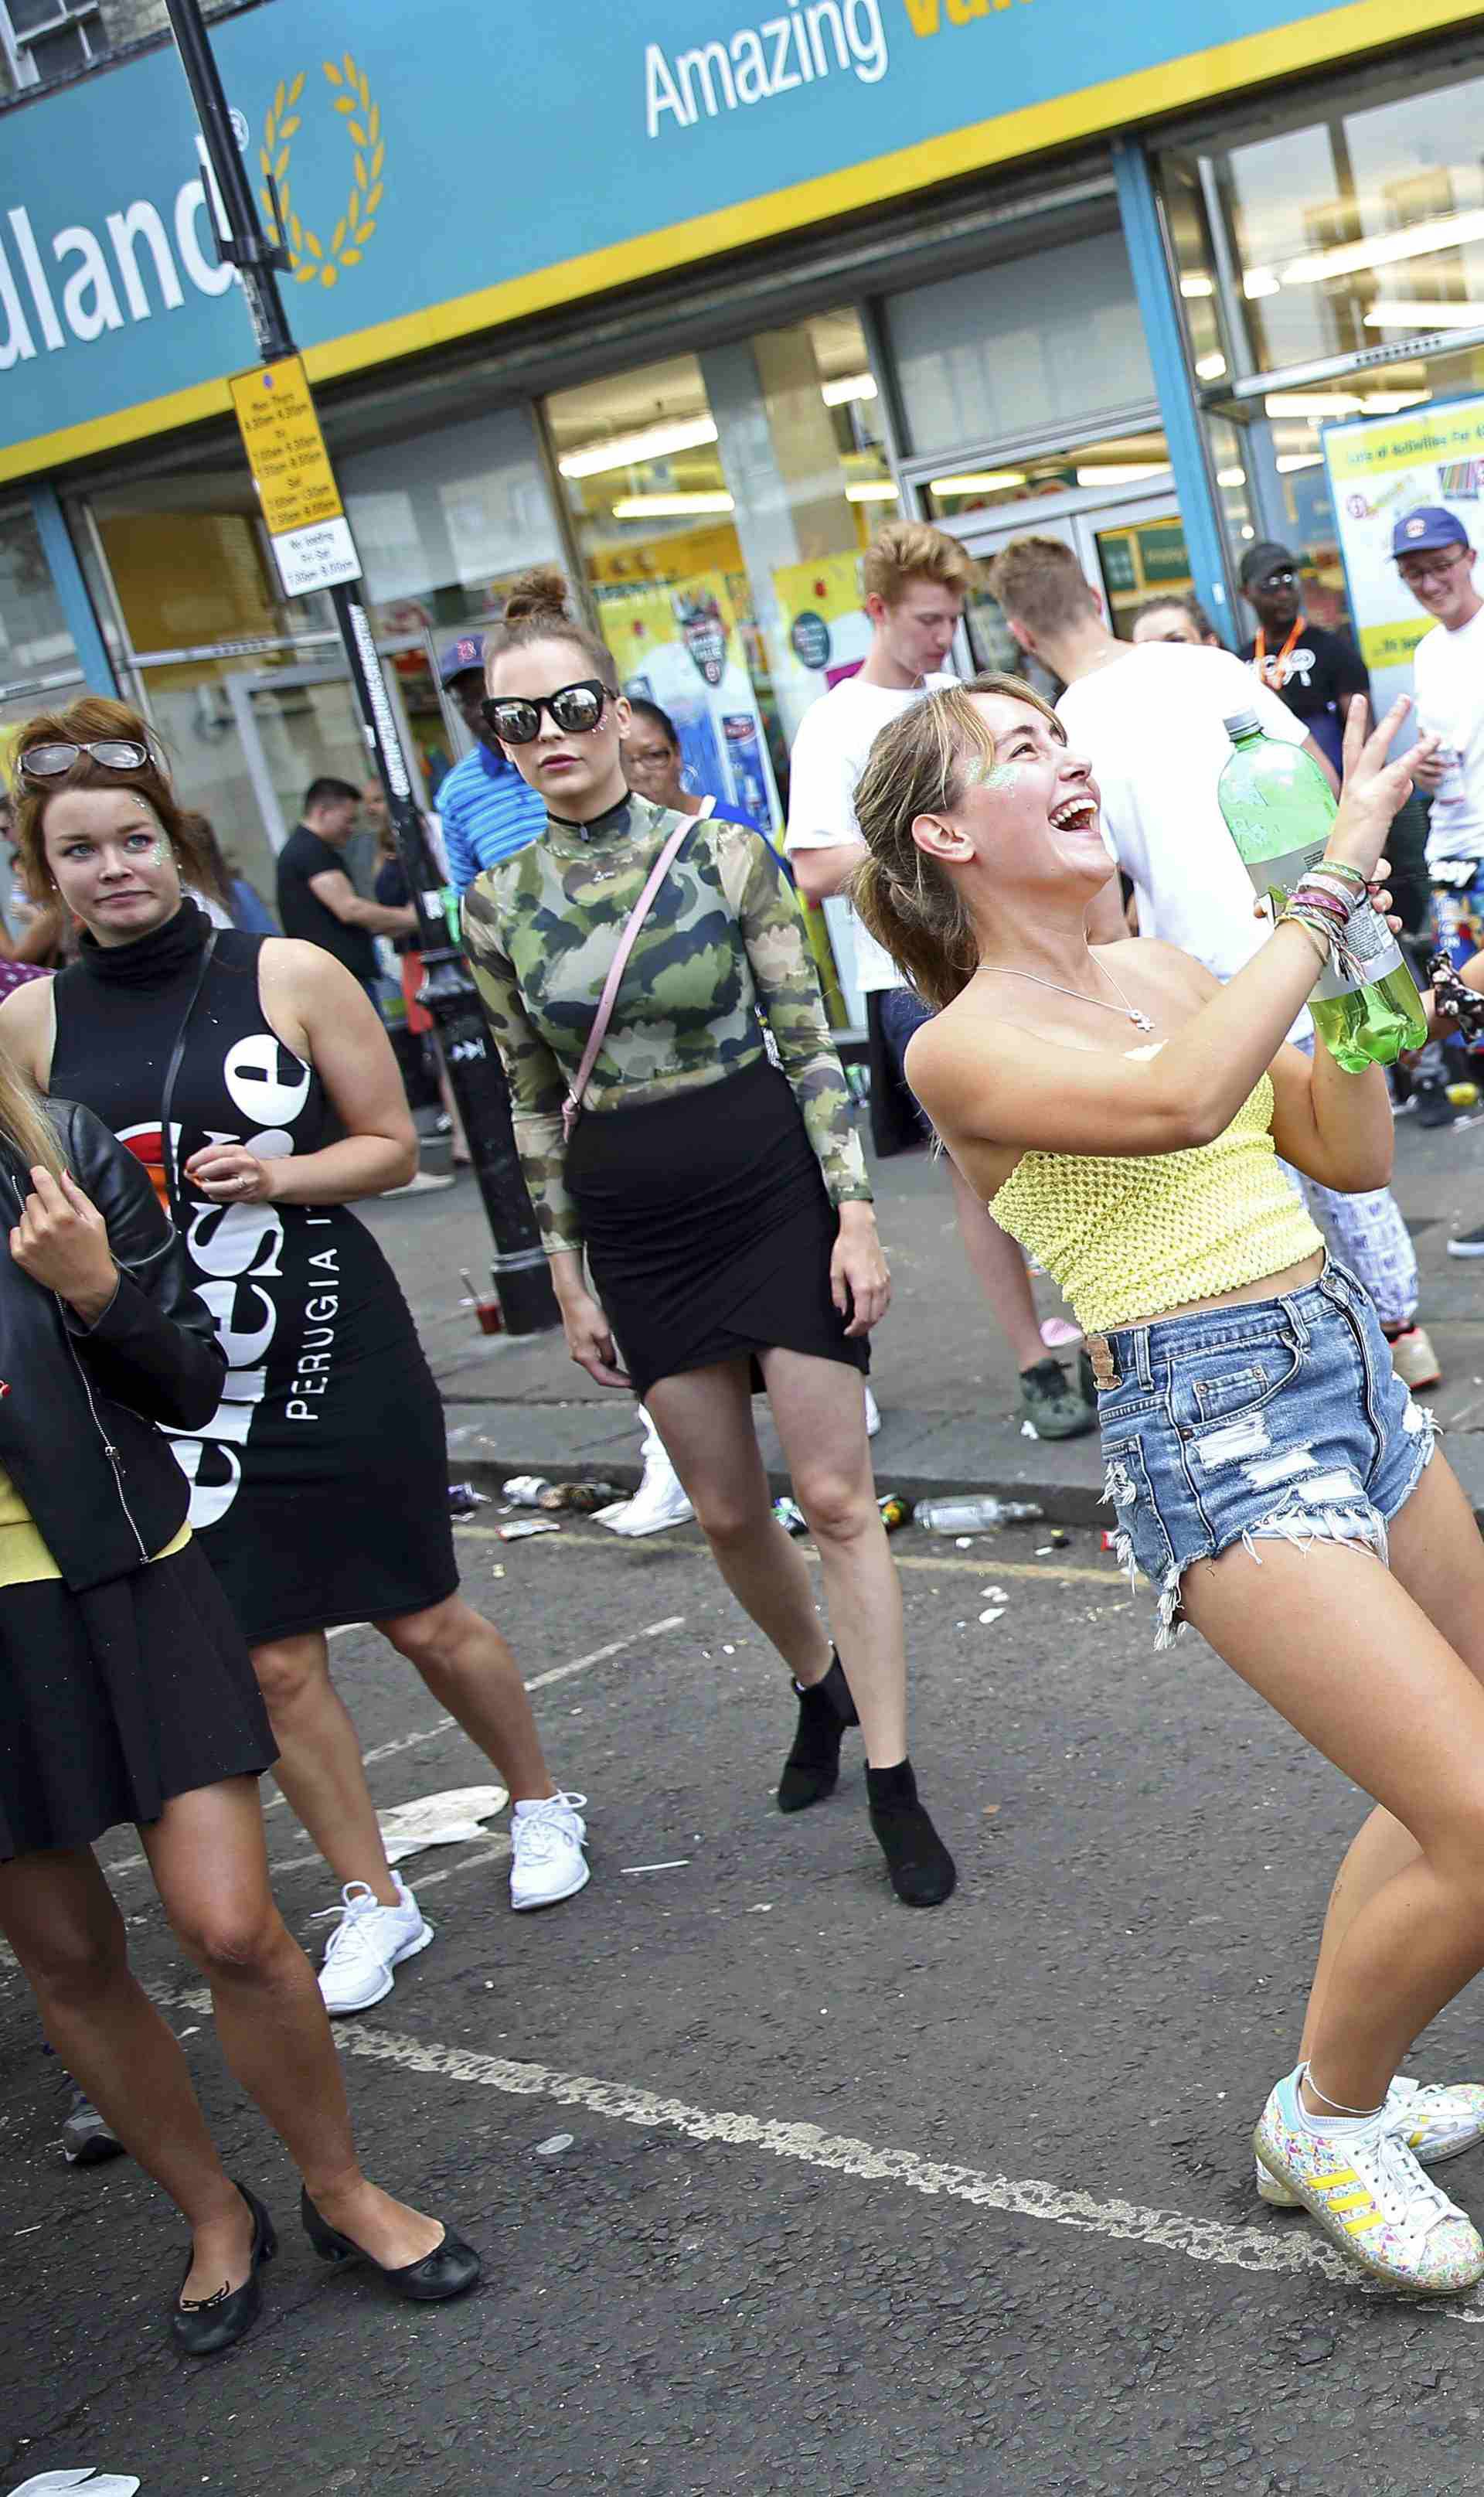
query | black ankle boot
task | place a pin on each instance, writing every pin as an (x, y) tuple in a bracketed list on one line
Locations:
[(812, 1766), (920, 1868)]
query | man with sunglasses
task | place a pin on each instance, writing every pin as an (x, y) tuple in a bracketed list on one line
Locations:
[(1316, 673), (485, 807)]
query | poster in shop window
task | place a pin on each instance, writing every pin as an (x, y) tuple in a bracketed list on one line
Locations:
[(1380, 468), (821, 633), (678, 644)]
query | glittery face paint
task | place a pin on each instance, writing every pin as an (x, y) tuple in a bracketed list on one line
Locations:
[(1003, 775)]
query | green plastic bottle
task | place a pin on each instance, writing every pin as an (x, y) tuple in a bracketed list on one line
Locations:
[(1279, 811)]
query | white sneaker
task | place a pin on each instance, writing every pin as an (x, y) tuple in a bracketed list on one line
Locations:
[(546, 1862), (1438, 2120), (1370, 2198), (368, 1941), (659, 1501), (872, 1416)]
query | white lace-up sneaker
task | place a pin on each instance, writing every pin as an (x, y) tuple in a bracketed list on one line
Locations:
[(660, 1499), (368, 1941), (1371, 2198), (546, 1862), (1438, 2120), (872, 1416)]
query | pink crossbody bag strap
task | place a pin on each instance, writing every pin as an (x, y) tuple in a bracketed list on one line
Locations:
[(573, 1103)]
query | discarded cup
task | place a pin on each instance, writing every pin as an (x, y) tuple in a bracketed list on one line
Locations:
[(463, 1499), (486, 1305), (970, 1515), (526, 1490)]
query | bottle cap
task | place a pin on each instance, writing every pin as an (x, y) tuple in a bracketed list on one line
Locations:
[(1243, 723)]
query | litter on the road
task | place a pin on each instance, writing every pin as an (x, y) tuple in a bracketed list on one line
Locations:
[(520, 1527), (672, 1864), (790, 1517), (973, 1512), (106, 2484), (446, 1819), (995, 1613), (554, 2143), (463, 1499), (524, 1491)]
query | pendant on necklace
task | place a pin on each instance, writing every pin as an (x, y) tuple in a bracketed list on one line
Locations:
[(1140, 1022)]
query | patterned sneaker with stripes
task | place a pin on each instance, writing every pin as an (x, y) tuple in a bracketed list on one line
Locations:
[(1438, 2120), (1370, 2198)]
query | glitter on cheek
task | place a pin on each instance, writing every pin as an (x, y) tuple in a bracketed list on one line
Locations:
[(1003, 775)]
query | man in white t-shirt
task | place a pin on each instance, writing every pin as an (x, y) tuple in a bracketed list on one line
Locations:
[(915, 580), (1430, 550), (1150, 719)]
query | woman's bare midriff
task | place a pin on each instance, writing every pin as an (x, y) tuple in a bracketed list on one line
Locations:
[(1267, 1287)]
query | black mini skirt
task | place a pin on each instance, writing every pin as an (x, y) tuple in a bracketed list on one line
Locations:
[(708, 1229)]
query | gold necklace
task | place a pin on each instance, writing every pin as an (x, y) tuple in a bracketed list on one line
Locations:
[(1140, 1022)]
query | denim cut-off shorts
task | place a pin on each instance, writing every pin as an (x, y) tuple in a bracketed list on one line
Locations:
[(1268, 1420)]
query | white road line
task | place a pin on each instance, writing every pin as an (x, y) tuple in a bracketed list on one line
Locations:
[(1283, 2248), (430, 1733), (985, 1561)]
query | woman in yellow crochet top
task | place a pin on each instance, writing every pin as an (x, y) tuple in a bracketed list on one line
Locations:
[(1118, 1110)]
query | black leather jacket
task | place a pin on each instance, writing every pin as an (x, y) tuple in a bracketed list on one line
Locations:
[(79, 1405)]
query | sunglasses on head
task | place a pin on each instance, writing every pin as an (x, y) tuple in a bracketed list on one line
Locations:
[(574, 709), (114, 753)]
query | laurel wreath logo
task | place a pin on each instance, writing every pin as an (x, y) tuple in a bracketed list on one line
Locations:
[(308, 258)]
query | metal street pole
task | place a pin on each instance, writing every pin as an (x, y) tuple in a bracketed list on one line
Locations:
[(519, 1266)]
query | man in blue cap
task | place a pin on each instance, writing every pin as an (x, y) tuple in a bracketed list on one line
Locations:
[(486, 809), (1430, 550)]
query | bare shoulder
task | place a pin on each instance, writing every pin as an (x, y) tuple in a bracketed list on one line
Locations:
[(28, 1028), (1164, 971), (963, 1038), (299, 984)]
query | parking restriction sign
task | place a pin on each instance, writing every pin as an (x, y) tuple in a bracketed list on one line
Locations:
[(311, 540)]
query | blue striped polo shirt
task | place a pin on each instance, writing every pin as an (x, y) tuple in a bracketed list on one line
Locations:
[(486, 811)]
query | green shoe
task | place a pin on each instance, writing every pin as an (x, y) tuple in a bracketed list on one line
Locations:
[(1054, 1405)]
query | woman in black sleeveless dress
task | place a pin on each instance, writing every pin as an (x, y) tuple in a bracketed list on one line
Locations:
[(319, 1487)]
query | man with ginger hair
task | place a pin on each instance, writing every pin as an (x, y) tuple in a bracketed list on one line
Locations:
[(1150, 719), (915, 580)]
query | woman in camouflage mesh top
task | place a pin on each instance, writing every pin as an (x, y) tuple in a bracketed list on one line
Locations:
[(715, 1183)]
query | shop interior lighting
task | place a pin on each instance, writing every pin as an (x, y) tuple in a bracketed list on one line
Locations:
[(1195, 288), (669, 507), (1381, 251), (978, 481), (1312, 403), (1297, 459), (1258, 281), (849, 386), (1387, 315), (632, 450), (1211, 368), (1231, 476), (1123, 472), (871, 489)]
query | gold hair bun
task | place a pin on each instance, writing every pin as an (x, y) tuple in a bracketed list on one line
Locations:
[(541, 591)]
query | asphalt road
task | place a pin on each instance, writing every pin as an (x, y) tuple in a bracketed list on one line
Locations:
[(855, 2199)]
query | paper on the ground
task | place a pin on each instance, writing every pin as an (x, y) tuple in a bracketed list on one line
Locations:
[(54, 2483), (437, 1820)]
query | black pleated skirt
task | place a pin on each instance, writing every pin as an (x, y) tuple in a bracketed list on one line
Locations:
[(113, 1701), (708, 1229)]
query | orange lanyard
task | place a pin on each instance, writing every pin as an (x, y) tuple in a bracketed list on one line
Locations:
[(1273, 676)]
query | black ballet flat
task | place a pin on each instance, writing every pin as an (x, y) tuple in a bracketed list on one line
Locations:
[(204, 2330), (447, 2272)]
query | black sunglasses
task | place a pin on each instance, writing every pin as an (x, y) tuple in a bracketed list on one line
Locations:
[(114, 753), (574, 709)]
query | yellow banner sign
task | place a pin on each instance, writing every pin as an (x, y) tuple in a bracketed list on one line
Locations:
[(285, 447)]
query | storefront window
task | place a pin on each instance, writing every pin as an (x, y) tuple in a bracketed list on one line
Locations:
[(38, 661), (1117, 460), (1282, 434), (1040, 341), (444, 521), (1345, 233), (721, 502)]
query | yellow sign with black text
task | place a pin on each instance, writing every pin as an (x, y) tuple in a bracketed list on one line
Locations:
[(301, 507)]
